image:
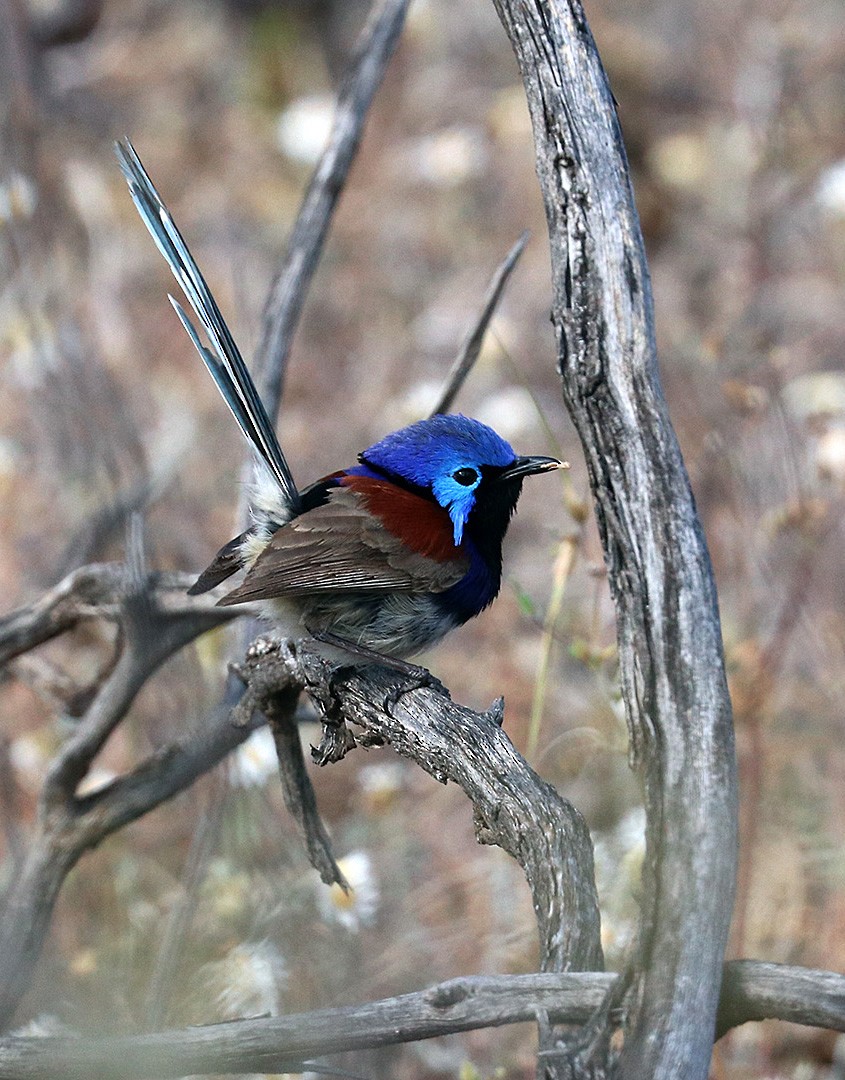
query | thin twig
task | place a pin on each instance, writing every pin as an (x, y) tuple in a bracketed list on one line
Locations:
[(273, 689), (472, 343), (376, 45), (94, 591)]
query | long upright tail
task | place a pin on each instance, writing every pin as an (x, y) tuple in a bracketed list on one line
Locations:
[(223, 360)]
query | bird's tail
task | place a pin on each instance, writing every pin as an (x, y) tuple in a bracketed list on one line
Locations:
[(223, 359)]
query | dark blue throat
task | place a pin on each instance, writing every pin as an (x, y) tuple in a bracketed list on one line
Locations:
[(485, 531)]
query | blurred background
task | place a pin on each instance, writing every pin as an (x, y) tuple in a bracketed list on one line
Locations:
[(733, 116)]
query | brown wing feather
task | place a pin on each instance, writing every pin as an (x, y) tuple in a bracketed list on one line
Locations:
[(341, 546), (226, 562)]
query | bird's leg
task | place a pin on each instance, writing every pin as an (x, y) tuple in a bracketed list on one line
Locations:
[(416, 676)]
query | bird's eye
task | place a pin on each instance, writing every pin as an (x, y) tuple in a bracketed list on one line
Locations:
[(467, 477)]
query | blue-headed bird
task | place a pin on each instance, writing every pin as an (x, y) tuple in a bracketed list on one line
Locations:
[(388, 555)]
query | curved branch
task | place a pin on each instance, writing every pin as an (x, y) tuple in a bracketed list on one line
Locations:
[(752, 990), (512, 806)]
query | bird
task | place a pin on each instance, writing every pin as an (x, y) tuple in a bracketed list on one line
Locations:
[(386, 556)]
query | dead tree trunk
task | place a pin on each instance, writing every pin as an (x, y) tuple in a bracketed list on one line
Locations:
[(670, 646)]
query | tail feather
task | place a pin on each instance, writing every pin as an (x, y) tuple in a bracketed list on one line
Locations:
[(223, 360)]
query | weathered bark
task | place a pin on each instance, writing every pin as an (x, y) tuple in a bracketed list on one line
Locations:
[(512, 806), (670, 648), (750, 991)]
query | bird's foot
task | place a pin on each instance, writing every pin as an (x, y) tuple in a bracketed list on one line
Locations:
[(415, 676)]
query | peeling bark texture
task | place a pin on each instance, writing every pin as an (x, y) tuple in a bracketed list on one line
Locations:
[(670, 647)]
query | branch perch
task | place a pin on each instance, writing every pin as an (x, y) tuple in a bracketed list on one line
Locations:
[(512, 806)]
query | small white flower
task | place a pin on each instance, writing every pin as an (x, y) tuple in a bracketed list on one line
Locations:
[(447, 158), (420, 398), (815, 395), (43, 1026), (29, 755), (381, 783), (304, 127), (830, 455), (18, 198), (830, 191), (356, 908), (255, 761), (511, 412), (248, 980)]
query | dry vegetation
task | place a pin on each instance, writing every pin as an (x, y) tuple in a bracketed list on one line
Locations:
[(733, 119)]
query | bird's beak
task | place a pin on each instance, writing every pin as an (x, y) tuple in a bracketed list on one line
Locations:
[(525, 466)]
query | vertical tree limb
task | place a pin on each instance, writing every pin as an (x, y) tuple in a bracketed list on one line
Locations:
[(375, 47), (670, 648)]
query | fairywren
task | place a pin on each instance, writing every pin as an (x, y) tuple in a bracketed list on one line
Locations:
[(390, 554)]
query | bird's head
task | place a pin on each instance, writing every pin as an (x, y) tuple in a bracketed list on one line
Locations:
[(462, 462)]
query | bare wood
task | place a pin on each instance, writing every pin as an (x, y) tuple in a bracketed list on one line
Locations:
[(269, 1045), (375, 47), (751, 990), (273, 690), (471, 346), (670, 648), (93, 591), (512, 806), (67, 825)]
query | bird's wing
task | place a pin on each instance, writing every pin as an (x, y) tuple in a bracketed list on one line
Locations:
[(343, 546), (226, 562)]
